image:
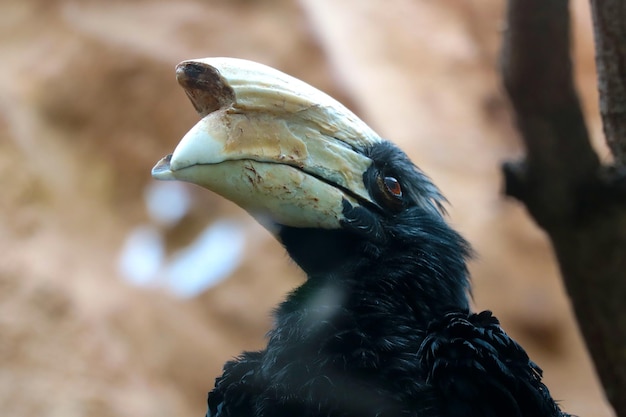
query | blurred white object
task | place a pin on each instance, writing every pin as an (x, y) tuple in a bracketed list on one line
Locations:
[(142, 255), (167, 202), (211, 258)]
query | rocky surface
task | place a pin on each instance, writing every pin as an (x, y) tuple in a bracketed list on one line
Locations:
[(88, 103)]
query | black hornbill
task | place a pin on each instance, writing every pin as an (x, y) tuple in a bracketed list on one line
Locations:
[(382, 326)]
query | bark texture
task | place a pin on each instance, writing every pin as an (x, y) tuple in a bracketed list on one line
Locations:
[(577, 201), (609, 18)]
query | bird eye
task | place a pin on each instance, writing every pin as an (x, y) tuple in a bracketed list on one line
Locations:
[(388, 192), (393, 187)]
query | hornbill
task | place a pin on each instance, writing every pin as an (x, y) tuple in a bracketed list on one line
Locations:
[(382, 325)]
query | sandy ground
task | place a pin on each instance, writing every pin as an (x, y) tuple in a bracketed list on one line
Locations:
[(88, 103)]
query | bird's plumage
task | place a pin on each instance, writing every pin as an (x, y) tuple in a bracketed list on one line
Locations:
[(382, 326)]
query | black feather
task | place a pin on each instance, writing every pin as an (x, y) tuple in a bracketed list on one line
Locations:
[(382, 325)]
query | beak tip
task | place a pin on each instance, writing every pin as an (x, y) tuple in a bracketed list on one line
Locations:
[(162, 170)]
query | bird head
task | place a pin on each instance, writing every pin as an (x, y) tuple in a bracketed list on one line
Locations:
[(309, 170)]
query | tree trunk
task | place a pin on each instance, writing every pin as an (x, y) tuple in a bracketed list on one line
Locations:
[(578, 202), (609, 27)]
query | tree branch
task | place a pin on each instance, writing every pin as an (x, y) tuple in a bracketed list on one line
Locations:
[(537, 74), (609, 18), (580, 204)]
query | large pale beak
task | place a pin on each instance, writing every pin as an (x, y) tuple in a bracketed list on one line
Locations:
[(274, 145)]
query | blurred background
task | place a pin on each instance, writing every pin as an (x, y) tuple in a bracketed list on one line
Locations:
[(120, 296)]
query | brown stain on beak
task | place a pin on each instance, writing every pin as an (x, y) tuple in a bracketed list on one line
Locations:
[(263, 137), (204, 86)]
